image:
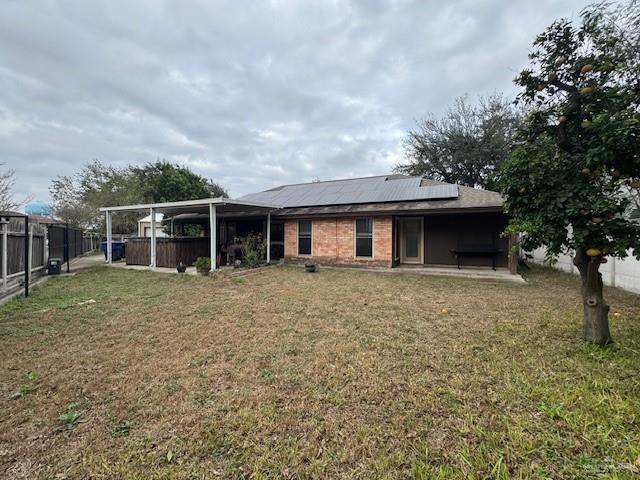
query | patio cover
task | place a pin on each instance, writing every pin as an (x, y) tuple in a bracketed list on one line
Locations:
[(222, 207)]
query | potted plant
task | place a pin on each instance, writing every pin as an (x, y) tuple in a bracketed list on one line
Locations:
[(203, 265), (181, 267)]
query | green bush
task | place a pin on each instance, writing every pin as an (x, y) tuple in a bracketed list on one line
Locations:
[(202, 262), (254, 250)]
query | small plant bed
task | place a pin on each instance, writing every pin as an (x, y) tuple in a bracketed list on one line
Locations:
[(203, 265), (344, 374)]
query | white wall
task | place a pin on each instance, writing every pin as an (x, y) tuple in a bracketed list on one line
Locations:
[(626, 273)]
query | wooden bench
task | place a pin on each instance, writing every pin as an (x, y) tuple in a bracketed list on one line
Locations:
[(477, 251)]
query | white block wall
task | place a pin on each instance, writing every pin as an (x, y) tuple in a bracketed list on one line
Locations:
[(626, 273)]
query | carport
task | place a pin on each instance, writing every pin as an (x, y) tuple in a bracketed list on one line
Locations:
[(215, 208)]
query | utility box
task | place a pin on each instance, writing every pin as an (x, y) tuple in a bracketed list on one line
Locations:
[(54, 266)]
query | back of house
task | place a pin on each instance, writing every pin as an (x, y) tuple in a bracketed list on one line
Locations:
[(391, 220)]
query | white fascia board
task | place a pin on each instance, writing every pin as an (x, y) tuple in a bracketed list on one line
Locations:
[(187, 203)]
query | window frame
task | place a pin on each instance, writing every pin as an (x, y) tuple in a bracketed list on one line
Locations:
[(355, 238), (310, 254)]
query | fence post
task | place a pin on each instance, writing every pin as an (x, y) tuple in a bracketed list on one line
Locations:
[(66, 245), (27, 255), (45, 245), (30, 247), (5, 249)]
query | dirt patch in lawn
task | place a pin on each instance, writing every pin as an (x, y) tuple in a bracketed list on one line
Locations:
[(340, 374)]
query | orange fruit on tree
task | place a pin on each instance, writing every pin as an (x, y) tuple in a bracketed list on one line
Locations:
[(586, 68), (635, 184), (562, 119), (596, 220), (561, 60), (594, 252), (586, 91)]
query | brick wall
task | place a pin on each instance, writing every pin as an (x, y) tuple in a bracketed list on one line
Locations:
[(333, 241)]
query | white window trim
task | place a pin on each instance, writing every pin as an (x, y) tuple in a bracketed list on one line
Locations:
[(298, 254), (373, 238)]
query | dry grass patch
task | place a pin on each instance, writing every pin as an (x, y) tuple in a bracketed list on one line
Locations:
[(340, 374)]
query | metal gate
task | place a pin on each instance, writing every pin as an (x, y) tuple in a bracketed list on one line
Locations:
[(65, 242)]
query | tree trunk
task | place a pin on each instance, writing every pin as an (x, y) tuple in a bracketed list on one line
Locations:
[(595, 326)]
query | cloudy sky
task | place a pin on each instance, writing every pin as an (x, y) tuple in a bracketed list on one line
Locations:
[(250, 93)]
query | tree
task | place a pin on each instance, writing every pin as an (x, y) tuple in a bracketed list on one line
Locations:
[(166, 182), (8, 201), (466, 145), (77, 199), (570, 183)]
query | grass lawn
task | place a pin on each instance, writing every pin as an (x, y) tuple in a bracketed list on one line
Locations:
[(342, 374)]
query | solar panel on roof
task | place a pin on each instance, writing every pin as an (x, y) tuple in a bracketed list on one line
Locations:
[(364, 190)]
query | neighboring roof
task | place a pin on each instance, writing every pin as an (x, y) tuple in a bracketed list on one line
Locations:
[(44, 219), (159, 217), (467, 198), (387, 188), (10, 213)]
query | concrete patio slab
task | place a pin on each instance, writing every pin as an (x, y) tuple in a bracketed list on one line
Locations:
[(468, 272)]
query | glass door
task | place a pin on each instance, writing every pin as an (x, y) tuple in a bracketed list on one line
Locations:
[(411, 240)]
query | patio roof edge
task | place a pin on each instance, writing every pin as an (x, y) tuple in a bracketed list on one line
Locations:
[(188, 203)]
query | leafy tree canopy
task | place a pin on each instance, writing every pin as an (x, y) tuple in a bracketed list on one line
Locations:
[(167, 182), (466, 145), (77, 198), (570, 184)]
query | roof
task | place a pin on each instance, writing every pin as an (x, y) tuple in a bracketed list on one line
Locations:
[(393, 188), (10, 213), (223, 206), (380, 194), (159, 217), (44, 219)]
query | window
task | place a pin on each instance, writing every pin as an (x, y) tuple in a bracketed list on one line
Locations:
[(304, 237), (364, 237)]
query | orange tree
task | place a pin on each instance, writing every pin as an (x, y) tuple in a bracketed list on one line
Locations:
[(570, 182)]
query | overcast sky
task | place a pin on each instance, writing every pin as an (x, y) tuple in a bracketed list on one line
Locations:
[(251, 94)]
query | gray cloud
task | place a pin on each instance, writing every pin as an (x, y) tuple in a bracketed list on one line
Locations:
[(251, 94)]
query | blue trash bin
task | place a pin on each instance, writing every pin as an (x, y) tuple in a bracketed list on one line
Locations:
[(117, 250)]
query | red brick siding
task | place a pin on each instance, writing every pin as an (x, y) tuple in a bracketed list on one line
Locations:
[(333, 241)]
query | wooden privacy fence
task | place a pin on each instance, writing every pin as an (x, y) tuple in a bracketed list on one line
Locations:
[(12, 249), (170, 251)]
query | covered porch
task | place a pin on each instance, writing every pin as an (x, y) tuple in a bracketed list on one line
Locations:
[(211, 227), (454, 240)]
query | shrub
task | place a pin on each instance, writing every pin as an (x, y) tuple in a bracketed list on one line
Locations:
[(254, 250), (202, 262)]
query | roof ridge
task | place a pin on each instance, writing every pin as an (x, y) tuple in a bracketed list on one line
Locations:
[(338, 180)]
